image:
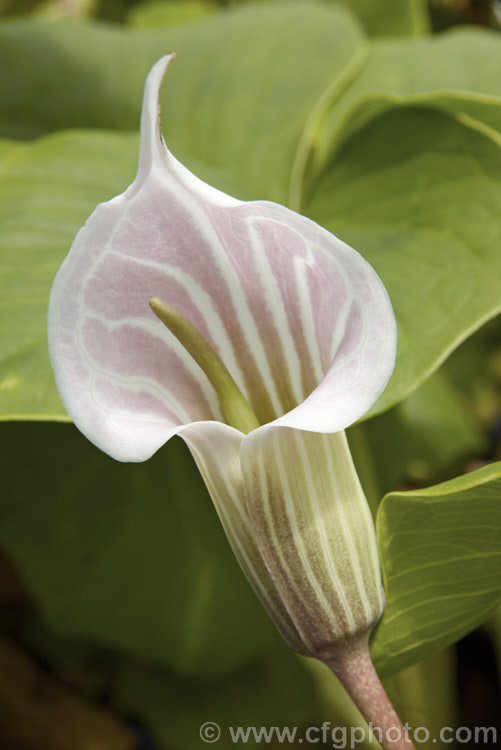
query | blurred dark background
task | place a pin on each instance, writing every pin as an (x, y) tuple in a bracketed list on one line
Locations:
[(444, 13)]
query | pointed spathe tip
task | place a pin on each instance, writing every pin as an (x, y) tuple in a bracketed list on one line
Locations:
[(155, 77), (151, 134), (153, 150)]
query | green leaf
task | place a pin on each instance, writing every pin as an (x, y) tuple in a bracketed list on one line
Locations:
[(258, 100), (455, 72), (391, 17), (274, 691), (419, 195), (129, 556), (277, 688), (47, 190), (244, 110), (441, 556)]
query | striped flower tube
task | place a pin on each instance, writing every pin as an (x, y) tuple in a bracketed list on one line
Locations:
[(301, 328)]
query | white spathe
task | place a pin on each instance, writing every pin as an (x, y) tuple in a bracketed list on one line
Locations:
[(302, 322)]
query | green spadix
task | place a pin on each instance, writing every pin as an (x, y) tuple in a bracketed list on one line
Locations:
[(234, 405)]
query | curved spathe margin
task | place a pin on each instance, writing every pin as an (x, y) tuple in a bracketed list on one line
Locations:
[(321, 356)]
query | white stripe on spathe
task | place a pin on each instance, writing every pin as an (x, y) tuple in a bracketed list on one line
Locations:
[(273, 296), (285, 532), (242, 312), (316, 500)]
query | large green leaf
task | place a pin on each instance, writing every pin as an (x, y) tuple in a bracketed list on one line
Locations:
[(441, 554), (47, 190), (456, 72), (250, 108), (391, 17), (419, 195), (130, 556), (241, 95)]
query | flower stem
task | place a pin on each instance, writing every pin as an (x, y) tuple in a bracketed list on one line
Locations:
[(354, 669)]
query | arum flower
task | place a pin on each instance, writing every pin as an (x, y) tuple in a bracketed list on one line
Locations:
[(258, 337)]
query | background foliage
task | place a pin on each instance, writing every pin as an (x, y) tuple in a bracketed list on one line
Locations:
[(360, 114)]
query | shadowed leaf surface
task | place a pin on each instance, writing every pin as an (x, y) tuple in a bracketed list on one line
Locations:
[(391, 17), (130, 556)]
